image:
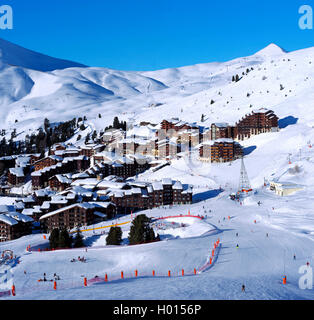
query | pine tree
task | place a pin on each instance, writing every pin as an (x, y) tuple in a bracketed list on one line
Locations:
[(87, 138), (94, 135), (46, 124), (140, 231), (114, 237), (54, 239), (65, 241), (78, 241), (116, 123)]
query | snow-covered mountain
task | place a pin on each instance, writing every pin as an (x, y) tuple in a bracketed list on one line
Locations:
[(34, 86), (15, 55)]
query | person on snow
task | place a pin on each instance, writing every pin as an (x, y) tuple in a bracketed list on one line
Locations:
[(237, 234), (294, 257), (237, 246), (243, 288)]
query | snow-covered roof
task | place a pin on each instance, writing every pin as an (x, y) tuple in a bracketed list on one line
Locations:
[(111, 184), (81, 205), (45, 205), (102, 204), (58, 200), (166, 181), (157, 186), (63, 179), (221, 124), (28, 199), (42, 193), (80, 175), (87, 181), (177, 186), (18, 172), (19, 205), (100, 214), (8, 220), (261, 110)]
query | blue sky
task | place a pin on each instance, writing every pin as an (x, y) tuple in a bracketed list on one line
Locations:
[(155, 34)]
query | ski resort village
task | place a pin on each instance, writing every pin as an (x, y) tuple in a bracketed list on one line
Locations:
[(184, 183)]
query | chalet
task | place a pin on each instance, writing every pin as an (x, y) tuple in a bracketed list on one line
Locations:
[(16, 176), (22, 161), (112, 135), (41, 196), (189, 138), (70, 217), (59, 182), (13, 224), (175, 125), (77, 194), (168, 148), (221, 150), (34, 158), (40, 179), (259, 121), (73, 152), (91, 149), (108, 209), (146, 196), (35, 213), (222, 130), (58, 147), (47, 162), (28, 202)]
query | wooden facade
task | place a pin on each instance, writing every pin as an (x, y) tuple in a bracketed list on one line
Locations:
[(14, 225), (153, 195), (221, 150), (76, 215), (257, 122)]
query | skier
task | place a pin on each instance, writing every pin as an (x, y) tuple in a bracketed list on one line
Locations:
[(237, 246), (267, 235), (237, 234), (294, 257), (307, 263), (243, 288)]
